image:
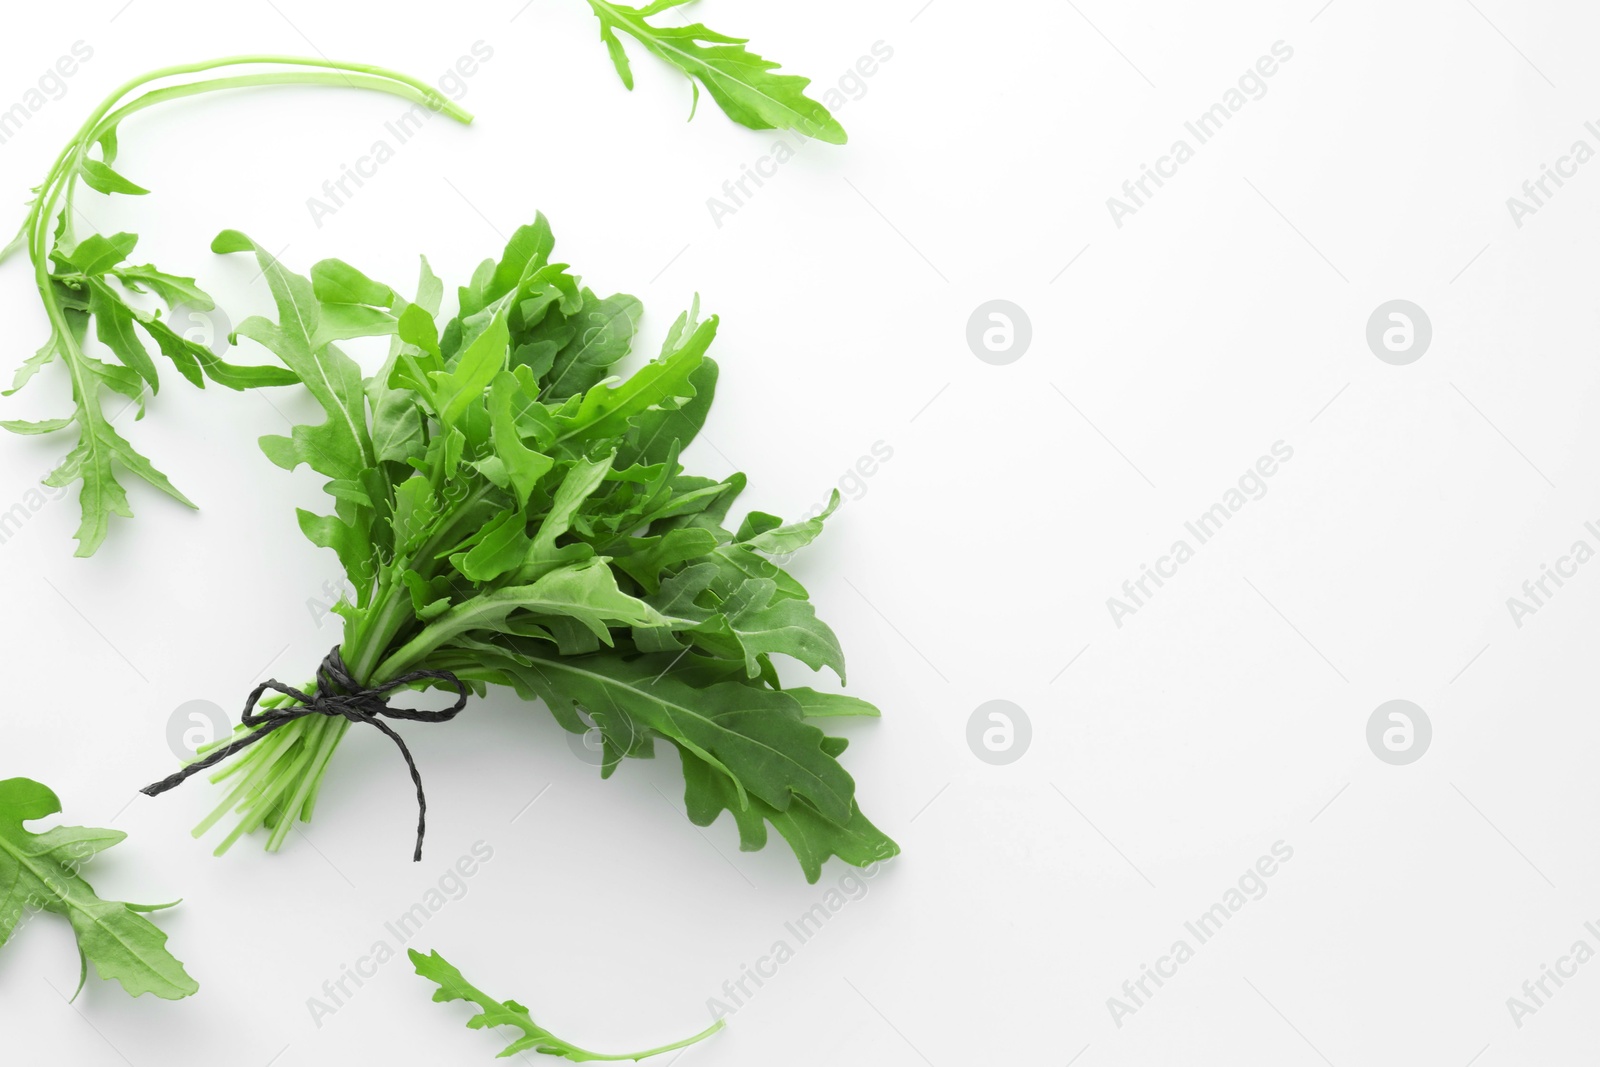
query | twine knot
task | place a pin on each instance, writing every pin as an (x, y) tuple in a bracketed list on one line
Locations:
[(338, 695)]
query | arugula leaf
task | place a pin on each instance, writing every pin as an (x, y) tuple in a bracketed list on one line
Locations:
[(813, 836), (752, 734), (89, 280), (535, 1038), (41, 871), (742, 83), (341, 446)]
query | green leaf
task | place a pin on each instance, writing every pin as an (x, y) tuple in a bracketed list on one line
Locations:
[(340, 446), (463, 386), (172, 289), (453, 986), (751, 622), (326, 531), (528, 250), (656, 432), (815, 705), (525, 467), (397, 427), (23, 426), (416, 327), (501, 547), (41, 871), (742, 83), (581, 481), (749, 733), (785, 540), (95, 254), (813, 838), (17, 242), (652, 555), (343, 322), (586, 592), (45, 355), (764, 624), (102, 179), (610, 411), (90, 461), (603, 335), (113, 324), (228, 375), (175, 348), (337, 282)]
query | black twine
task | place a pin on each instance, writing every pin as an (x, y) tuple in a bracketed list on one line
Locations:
[(338, 694)]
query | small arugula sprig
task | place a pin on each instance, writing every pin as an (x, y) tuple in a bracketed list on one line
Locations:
[(509, 512), (41, 871), (88, 280), (535, 1038), (742, 83)]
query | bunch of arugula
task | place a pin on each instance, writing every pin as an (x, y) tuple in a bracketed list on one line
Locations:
[(510, 513), (40, 871), (88, 280)]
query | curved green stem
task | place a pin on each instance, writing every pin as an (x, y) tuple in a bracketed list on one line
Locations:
[(355, 75), (248, 81), (580, 1055)]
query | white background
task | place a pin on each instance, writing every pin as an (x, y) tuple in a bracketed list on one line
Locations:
[(1168, 754)]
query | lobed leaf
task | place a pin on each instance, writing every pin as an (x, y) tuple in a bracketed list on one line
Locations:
[(42, 871), (743, 84)]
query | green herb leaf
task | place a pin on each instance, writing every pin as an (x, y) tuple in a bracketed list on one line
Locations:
[(340, 446), (102, 179), (813, 837), (41, 871), (742, 83), (535, 1038)]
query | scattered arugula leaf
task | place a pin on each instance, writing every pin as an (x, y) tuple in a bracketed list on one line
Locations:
[(90, 279), (742, 83), (41, 871), (535, 1038), (508, 512)]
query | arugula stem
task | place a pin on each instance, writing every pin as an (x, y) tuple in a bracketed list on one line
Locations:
[(322, 738), (64, 171), (259, 767), (248, 81), (581, 1055), (292, 777), (291, 795)]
